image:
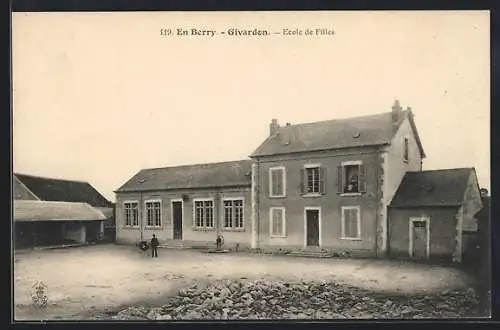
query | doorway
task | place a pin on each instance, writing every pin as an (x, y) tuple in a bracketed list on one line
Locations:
[(177, 219), (312, 227), (419, 238)]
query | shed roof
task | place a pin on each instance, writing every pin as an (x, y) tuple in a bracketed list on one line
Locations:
[(28, 210), (432, 188), (223, 174), (49, 189), (372, 130)]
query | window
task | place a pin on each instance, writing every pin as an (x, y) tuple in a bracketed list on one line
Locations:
[(405, 151), (131, 214), (233, 213), (351, 178), (277, 182), (153, 213), (204, 214), (351, 226), (313, 179), (277, 221)]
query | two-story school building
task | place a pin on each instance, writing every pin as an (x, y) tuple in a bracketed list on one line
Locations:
[(317, 186)]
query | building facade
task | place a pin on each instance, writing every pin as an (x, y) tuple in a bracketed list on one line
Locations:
[(323, 186), (187, 205)]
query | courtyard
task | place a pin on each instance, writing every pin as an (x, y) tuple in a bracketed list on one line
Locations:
[(96, 281)]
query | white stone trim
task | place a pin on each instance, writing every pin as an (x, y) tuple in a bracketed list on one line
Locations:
[(254, 194), (222, 214), (428, 236), (145, 213), (351, 162), (209, 199), (343, 208), (172, 201), (138, 213), (283, 220), (320, 221), (277, 168), (312, 165)]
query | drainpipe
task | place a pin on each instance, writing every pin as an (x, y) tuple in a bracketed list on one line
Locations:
[(141, 218), (255, 207)]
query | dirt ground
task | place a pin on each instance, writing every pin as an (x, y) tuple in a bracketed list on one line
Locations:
[(87, 281)]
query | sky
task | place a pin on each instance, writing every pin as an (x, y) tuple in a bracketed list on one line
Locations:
[(99, 96)]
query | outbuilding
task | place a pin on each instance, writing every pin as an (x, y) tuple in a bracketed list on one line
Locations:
[(432, 215)]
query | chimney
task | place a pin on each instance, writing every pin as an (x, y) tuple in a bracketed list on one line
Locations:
[(273, 127), (396, 111)]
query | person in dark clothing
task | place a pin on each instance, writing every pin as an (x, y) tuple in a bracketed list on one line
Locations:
[(154, 246)]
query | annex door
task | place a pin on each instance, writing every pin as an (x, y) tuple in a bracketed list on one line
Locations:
[(312, 227), (419, 238), (177, 219)]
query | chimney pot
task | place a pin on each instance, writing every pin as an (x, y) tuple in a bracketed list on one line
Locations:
[(396, 109), (273, 127)]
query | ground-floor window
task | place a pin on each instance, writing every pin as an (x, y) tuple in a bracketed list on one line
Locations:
[(204, 214), (153, 213), (277, 221), (351, 222), (233, 213), (131, 214)]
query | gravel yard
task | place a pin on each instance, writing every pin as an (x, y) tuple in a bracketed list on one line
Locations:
[(118, 282)]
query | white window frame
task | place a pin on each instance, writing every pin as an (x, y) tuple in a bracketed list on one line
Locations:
[(343, 165), (223, 213), (145, 215), (343, 224), (406, 150), (203, 220), (320, 220), (411, 225), (283, 221), (283, 180), (307, 166), (125, 217)]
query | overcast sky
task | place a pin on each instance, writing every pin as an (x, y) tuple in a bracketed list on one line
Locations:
[(99, 96)]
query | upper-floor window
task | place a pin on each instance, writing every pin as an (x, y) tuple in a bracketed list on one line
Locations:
[(204, 213), (351, 177), (153, 213), (277, 182), (313, 179), (233, 213), (405, 150), (131, 213)]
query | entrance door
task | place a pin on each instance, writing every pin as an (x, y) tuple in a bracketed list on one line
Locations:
[(419, 239), (177, 219), (312, 227)]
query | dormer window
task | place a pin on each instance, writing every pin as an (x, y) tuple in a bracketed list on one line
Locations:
[(405, 150)]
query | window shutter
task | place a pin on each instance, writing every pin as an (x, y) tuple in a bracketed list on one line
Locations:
[(340, 177), (322, 180), (302, 181), (362, 181), (267, 183)]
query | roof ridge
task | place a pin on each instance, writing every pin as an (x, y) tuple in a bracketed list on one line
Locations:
[(50, 178), (340, 119), (443, 169), (197, 164)]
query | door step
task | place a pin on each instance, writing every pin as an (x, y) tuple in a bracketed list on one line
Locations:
[(311, 253)]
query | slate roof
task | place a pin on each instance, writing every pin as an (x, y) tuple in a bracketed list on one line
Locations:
[(372, 130), (432, 188), (27, 210), (48, 189), (211, 175)]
